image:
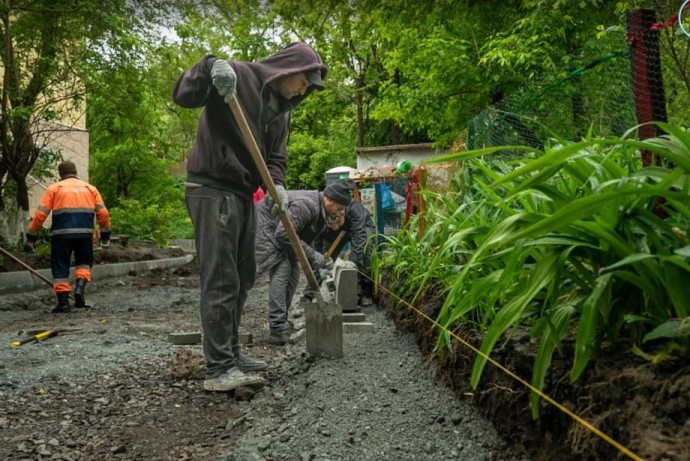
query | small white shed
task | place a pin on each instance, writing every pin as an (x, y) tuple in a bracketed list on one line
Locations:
[(339, 172)]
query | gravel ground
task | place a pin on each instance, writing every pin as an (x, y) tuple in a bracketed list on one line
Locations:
[(379, 402), (106, 391)]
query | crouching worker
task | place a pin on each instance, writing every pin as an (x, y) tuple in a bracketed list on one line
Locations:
[(74, 203), (310, 212), (358, 226)]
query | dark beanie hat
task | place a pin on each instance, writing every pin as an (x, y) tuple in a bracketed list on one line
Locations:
[(339, 191), (67, 168)]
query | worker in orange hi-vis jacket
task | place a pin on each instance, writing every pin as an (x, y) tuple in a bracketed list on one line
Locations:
[(74, 203)]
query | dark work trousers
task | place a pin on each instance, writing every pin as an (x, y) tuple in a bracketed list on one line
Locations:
[(224, 233), (61, 250), (284, 277)]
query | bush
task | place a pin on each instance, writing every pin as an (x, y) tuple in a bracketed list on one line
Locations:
[(147, 222), (578, 241)]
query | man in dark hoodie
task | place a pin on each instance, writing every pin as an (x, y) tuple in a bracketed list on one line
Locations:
[(221, 179)]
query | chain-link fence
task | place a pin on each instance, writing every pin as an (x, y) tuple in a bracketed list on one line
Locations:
[(643, 74), (393, 200), (596, 96), (602, 94)]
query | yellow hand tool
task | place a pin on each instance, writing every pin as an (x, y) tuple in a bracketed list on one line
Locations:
[(37, 337)]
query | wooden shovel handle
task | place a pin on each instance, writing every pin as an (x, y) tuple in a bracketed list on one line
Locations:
[(26, 266), (334, 245), (30, 269), (270, 185)]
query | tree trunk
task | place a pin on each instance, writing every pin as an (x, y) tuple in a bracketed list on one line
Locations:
[(577, 108), (395, 128), (3, 172), (13, 223), (395, 133), (359, 103), (22, 194)]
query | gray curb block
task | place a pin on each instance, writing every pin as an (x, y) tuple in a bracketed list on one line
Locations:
[(23, 281)]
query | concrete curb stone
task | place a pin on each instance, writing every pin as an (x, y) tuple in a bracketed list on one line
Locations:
[(23, 281)]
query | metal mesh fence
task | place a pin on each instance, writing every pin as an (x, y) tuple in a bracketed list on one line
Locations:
[(597, 95), (642, 76), (384, 198), (602, 94), (392, 200)]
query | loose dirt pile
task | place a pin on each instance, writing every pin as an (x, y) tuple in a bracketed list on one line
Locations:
[(119, 251)]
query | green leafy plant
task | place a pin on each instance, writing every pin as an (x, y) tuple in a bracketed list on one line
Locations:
[(146, 222), (579, 241)]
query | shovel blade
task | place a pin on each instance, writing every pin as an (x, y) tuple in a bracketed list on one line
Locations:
[(324, 324)]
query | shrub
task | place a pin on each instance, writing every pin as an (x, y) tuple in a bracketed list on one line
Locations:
[(147, 222), (579, 240)]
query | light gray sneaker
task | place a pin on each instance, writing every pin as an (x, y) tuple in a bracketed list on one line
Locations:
[(297, 326), (248, 363), (231, 380), (287, 336)]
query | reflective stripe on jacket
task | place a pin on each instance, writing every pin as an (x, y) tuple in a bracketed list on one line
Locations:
[(74, 203)]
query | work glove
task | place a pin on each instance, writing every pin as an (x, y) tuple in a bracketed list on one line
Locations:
[(105, 239), (30, 241), (224, 79), (282, 193), (321, 262)]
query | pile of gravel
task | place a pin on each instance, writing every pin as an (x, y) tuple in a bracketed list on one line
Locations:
[(381, 401)]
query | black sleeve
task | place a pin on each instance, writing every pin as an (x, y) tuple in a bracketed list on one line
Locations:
[(357, 216), (192, 87)]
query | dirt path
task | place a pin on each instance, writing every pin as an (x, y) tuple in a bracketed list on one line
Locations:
[(106, 391)]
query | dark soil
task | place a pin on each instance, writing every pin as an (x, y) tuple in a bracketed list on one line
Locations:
[(645, 408), (119, 251)]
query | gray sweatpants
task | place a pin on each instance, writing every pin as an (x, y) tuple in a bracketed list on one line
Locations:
[(224, 233), (284, 277)]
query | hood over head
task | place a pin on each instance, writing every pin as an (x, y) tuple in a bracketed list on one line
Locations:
[(294, 58)]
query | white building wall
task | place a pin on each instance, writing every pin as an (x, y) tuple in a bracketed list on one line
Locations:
[(368, 157), (73, 144)]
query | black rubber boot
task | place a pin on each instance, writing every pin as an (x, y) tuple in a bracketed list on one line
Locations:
[(62, 304), (79, 299)]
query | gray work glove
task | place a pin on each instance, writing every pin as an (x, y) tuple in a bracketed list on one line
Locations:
[(282, 193), (322, 263), (224, 79)]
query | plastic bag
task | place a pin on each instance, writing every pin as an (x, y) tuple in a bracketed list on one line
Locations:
[(387, 202)]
